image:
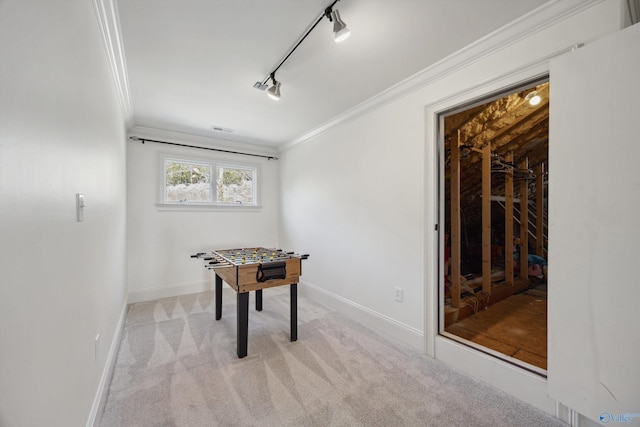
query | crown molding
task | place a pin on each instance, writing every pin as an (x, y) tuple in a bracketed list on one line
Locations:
[(535, 21), (109, 21)]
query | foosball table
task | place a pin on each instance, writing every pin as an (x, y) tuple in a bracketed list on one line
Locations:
[(254, 269)]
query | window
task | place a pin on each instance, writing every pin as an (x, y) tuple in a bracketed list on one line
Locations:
[(187, 182), (235, 184)]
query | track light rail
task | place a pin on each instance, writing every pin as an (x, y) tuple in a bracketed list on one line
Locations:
[(325, 13), (340, 30)]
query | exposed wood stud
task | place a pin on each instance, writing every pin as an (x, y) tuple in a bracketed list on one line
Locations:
[(486, 218), (524, 222), (455, 223), (508, 221), (540, 209)]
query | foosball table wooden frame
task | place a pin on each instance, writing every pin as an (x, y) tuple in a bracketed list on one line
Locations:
[(254, 269)]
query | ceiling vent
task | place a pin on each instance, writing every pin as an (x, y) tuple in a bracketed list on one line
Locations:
[(221, 129)]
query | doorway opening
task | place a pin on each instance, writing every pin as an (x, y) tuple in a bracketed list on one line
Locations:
[(494, 163)]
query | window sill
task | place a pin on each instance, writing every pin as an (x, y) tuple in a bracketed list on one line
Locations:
[(182, 207)]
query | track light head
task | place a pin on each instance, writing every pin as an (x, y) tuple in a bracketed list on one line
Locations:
[(340, 30), (274, 91)]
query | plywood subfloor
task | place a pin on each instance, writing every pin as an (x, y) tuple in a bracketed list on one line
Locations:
[(516, 327)]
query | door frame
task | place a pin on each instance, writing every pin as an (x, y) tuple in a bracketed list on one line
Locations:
[(434, 158), (442, 115), (518, 382)]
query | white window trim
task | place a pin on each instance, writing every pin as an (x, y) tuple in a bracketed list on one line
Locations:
[(213, 205)]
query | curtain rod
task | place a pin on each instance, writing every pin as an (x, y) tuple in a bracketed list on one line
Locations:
[(143, 140)]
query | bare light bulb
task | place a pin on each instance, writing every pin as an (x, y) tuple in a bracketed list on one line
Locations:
[(533, 98)]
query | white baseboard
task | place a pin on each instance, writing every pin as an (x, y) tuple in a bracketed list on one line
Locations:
[(372, 319), (151, 294), (103, 386)]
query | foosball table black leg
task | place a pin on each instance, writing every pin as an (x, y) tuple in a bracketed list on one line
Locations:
[(218, 297), (259, 300), (294, 311), (243, 323)]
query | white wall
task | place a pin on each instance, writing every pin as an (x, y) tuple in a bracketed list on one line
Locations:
[(62, 282), (352, 198), (159, 242), (361, 196)]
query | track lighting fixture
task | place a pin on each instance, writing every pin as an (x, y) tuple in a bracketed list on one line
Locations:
[(340, 30), (340, 33), (274, 91)]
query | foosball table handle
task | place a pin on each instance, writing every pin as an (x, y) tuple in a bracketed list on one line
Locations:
[(273, 270)]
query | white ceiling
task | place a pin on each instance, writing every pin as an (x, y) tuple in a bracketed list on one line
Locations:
[(191, 64)]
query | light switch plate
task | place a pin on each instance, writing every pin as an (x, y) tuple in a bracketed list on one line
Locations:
[(79, 207)]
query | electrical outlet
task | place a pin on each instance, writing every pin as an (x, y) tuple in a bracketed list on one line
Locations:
[(397, 294), (95, 349)]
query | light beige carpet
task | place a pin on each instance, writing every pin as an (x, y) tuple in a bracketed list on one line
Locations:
[(177, 366)]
